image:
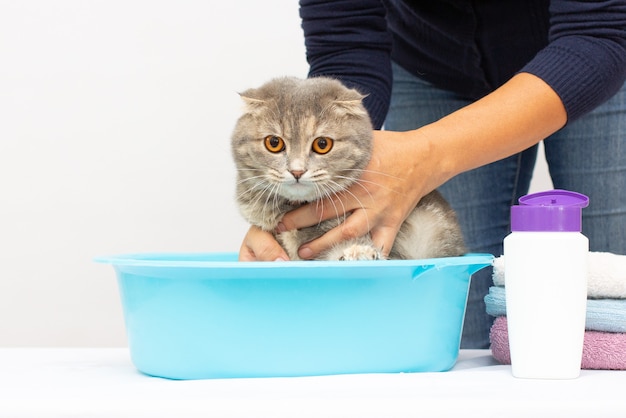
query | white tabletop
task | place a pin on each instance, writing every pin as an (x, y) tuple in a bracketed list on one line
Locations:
[(77, 382)]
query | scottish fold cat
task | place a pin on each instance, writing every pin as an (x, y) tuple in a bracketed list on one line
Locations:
[(300, 140)]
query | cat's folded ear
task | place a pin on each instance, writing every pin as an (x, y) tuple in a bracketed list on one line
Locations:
[(251, 104), (349, 102), (350, 107)]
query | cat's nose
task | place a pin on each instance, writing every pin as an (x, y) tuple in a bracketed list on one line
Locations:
[(297, 174)]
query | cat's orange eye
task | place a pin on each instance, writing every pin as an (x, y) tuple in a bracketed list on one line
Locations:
[(274, 143), (322, 145)]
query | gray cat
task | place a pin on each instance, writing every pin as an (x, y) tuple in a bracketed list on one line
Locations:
[(302, 140)]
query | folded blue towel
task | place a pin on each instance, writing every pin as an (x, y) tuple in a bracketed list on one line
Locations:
[(608, 315)]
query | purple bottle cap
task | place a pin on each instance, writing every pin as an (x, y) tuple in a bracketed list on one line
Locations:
[(553, 210)]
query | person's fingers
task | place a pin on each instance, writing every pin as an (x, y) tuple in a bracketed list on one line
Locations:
[(335, 206), (259, 245), (383, 238), (354, 226), (378, 203)]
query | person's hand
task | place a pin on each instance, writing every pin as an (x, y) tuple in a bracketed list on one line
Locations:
[(378, 203), (259, 245), (405, 166), (390, 187)]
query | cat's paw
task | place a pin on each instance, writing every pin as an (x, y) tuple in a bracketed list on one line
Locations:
[(358, 252)]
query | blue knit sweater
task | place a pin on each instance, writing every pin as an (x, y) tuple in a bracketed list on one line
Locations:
[(470, 47)]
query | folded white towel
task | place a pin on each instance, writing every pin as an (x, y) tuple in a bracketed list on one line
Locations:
[(606, 279)]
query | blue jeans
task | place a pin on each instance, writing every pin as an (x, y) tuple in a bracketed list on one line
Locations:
[(587, 156)]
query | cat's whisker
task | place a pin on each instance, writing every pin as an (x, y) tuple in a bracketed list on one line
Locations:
[(264, 192), (346, 191), (268, 196), (276, 194), (329, 192), (335, 189), (251, 179), (375, 172), (360, 182), (319, 191), (271, 199), (257, 186), (248, 191)]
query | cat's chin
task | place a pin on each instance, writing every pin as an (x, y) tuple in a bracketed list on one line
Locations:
[(299, 193)]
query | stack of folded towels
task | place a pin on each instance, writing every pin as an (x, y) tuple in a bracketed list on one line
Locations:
[(605, 328)]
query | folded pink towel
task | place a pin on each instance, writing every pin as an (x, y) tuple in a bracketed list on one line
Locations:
[(601, 350)]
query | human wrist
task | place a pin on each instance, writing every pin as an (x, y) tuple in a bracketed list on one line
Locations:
[(434, 155), (516, 116)]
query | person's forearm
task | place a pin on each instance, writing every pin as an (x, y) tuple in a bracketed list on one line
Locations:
[(405, 166), (518, 115)]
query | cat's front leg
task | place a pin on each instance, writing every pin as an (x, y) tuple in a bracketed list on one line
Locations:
[(362, 249), (291, 242)]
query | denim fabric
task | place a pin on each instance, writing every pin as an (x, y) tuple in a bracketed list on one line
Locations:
[(587, 156)]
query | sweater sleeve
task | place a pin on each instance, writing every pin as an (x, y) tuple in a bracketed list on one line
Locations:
[(585, 59), (348, 40)]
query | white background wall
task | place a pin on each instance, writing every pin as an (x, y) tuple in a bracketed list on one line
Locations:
[(115, 118)]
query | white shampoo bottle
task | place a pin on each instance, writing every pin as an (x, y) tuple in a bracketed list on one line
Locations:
[(545, 258)]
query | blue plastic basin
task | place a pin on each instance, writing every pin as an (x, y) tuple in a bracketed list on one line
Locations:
[(196, 316)]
